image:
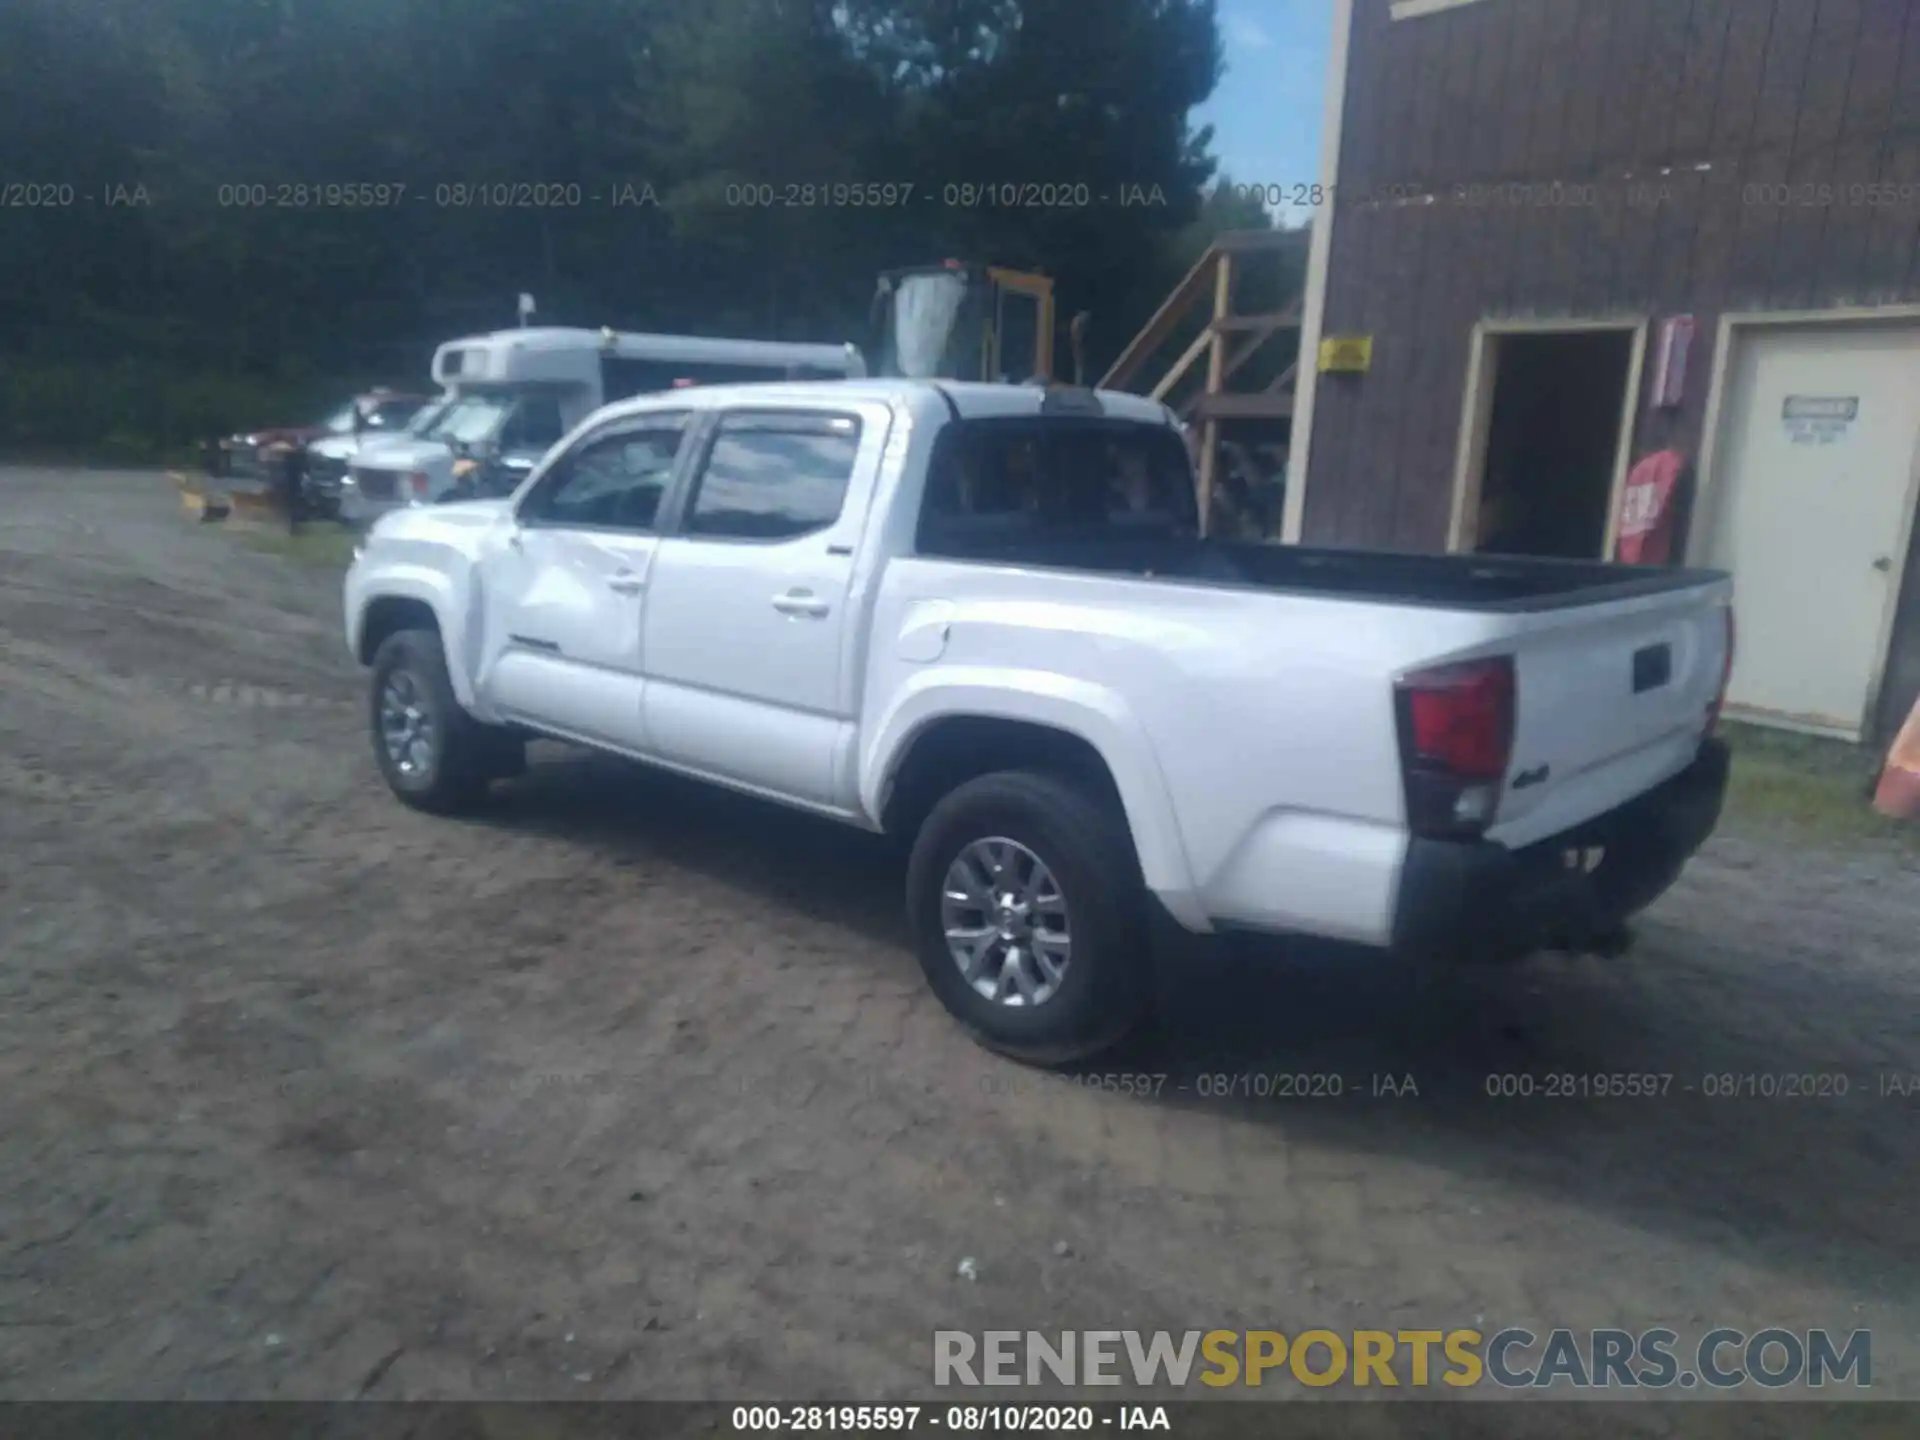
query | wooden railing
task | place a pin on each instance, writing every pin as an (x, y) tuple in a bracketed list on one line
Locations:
[(1227, 341)]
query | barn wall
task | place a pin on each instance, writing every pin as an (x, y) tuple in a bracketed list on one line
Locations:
[(1588, 159)]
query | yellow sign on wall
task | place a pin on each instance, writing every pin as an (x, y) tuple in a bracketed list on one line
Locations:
[(1350, 353)]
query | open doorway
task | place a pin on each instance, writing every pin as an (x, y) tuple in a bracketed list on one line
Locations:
[(1549, 426)]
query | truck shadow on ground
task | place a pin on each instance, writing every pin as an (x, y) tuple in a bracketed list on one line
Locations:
[(1501, 1062)]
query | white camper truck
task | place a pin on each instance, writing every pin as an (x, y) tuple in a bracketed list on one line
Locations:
[(517, 392)]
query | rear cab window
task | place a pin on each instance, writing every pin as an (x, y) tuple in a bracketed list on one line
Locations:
[(994, 484)]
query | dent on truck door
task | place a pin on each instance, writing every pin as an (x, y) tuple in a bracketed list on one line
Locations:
[(746, 625), (566, 590)]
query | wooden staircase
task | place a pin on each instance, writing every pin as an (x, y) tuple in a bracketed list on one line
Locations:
[(1227, 341)]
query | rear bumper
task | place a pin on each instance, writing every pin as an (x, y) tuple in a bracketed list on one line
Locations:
[(1469, 900)]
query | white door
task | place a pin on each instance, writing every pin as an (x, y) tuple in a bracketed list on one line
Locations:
[(1809, 510), (747, 619), (565, 592)]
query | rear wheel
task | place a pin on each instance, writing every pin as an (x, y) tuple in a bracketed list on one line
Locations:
[(1028, 915), (434, 756)]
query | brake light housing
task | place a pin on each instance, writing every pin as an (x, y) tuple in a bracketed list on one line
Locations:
[(1726, 677), (1456, 741), (422, 486)]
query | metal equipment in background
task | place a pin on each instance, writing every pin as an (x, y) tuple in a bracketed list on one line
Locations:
[(959, 320)]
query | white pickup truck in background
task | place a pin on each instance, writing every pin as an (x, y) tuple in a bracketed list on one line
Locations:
[(980, 617)]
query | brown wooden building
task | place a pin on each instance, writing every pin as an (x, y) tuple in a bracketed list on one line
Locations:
[(1524, 195)]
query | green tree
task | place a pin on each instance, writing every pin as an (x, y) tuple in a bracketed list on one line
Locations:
[(995, 93), (641, 98)]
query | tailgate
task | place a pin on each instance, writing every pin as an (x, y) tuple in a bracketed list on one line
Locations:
[(1612, 699)]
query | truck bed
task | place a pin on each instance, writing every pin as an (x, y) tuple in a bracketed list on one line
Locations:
[(1505, 584)]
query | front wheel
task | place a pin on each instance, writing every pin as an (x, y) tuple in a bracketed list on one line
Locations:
[(1028, 915), (433, 755)]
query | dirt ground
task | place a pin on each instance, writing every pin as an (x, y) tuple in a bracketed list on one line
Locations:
[(631, 1089)]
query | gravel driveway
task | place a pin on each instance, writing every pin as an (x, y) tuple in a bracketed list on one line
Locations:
[(632, 1089)]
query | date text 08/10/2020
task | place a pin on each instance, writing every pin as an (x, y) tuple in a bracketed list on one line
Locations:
[(1315, 1085), (880, 1419)]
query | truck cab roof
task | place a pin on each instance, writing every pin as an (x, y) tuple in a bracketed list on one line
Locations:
[(963, 399)]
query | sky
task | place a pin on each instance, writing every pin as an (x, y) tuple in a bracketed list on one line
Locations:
[(1266, 110)]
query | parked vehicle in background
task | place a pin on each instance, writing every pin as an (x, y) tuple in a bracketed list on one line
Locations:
[(518, 391), (980, 617), (243, 456), (510, 430), (330, 457)]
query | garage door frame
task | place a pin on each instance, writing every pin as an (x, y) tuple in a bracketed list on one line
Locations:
[(1732, 329)]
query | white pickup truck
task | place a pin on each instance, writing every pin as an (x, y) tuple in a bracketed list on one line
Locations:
[(980, 617)]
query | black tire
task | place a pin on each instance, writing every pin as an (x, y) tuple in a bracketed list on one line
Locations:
[(1082, 838), (461, 758)]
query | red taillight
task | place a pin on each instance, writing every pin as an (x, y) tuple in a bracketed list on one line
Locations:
[(1726, 676), (1461, 717), (1456, 740), (421, 484)]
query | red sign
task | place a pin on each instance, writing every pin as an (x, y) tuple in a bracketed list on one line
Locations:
[(1647, 509)]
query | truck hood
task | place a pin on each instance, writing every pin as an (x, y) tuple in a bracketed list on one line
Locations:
[(459, 523), (347, 447), (469, 514), (405, 453)]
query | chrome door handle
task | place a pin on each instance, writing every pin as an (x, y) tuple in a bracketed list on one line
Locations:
[(801, 603), (625, 582)]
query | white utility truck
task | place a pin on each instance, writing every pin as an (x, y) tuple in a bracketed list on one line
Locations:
[(980, 617), (515, 392)]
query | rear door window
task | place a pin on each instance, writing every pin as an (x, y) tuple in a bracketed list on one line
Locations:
[(774, 476)]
